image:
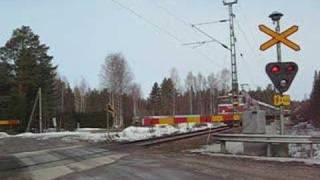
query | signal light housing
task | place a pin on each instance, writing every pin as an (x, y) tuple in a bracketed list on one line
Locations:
[(282, 74)]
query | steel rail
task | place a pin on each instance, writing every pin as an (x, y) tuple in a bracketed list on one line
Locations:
[(176, 137)]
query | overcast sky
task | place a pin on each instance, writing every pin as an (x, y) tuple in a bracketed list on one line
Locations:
[(81, 33)]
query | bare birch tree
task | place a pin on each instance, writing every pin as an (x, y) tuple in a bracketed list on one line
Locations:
[(200, 85), (80, 92), (135, 92), (189, 83), (83, 88), (213, 84), (174, 76), (225, 76), (116, 77)]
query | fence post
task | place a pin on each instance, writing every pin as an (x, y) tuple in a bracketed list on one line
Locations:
[(223, 147), (311, 150), (269, 149)]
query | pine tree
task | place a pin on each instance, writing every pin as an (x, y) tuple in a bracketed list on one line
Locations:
[(6, 78), (315, 100), (167, 93), (155, 99), (32, 68)]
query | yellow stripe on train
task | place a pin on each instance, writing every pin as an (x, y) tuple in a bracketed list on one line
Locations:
[(218, 118), (9, 122), (168, 120), (4, 122), (195, 119), (236, 117)]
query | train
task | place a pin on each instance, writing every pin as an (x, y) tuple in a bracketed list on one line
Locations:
[(227, 112), (224, 114), (170, 120)]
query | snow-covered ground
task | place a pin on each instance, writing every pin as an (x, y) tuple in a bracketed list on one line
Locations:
[(300, 150), (231, 147), (129, 134), (295, 150), (3, 135)]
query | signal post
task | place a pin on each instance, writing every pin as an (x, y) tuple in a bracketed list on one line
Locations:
[(280, 73)]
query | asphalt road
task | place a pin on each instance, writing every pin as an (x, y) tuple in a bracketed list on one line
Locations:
[(189, 167), (99, 161)]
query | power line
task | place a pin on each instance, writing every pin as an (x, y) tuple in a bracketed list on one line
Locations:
[(160, 29), (248, 42), (248, 72), (194, 26), (147, 20), (196, 29), (212, 22), (250, 33), (171, 14), (209, 36)]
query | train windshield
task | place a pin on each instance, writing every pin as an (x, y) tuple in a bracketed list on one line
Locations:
[(228, 99)]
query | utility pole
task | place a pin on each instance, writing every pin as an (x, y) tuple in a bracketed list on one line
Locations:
[(190, 101), (232, 48), (32, 113), (275, 17), (62, 104), (40, 111)]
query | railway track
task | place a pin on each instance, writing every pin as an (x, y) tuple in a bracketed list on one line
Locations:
[(176, 137), (69, 156)]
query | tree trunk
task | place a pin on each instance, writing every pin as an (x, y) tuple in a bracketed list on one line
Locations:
[(190, 102)]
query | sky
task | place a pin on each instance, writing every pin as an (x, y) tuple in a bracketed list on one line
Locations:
[(81, 33)]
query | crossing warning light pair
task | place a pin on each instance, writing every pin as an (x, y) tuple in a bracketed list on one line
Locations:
[(282, 74)]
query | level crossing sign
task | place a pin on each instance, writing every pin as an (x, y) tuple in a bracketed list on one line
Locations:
[(281, 100), (279, 37)]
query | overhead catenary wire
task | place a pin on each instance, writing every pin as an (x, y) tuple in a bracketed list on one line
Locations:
[(209, 36), (160, 29), (147, 20), (254, 40), (212, 22), (248, 72), (196, 29), (254, 53), (195, 24), (251, 50), (212, 39), (199, 43)]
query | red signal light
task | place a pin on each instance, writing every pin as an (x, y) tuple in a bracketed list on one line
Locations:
[(291, 68), (275, 69)]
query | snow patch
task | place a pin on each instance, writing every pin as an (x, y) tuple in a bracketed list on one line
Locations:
[(138, 133), (231, 147), (303, 150), (90, 129), (4, 135), (129, 134), (271, 159)]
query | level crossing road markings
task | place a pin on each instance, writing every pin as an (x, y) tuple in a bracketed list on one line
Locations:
[(279, 37)]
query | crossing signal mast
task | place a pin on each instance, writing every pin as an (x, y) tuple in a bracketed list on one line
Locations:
[(280, 73)]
